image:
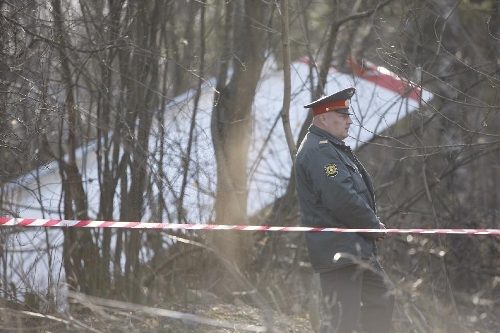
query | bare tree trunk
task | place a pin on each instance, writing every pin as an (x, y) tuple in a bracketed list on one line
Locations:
[(81, 258), (231, 125), (285, 112)]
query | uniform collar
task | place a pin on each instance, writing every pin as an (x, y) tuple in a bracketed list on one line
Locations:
[(316, 130)]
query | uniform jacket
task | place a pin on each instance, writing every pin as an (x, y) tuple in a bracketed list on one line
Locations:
[(334, 190)]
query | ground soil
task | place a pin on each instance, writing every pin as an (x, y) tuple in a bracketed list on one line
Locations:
[(215, 317)]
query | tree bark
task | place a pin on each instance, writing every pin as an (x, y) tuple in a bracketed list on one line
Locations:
[(231, 126)]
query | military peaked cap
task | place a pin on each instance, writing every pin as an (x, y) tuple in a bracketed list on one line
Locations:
[(338, 102)]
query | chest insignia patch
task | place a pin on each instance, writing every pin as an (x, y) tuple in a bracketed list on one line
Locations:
[(331, 170)]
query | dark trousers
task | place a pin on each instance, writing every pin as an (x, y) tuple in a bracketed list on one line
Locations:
[(357, 298)]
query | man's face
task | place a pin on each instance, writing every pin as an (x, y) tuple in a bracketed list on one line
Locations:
[(337, 124)]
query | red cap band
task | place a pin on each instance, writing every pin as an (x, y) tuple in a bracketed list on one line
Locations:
[(332, 106)]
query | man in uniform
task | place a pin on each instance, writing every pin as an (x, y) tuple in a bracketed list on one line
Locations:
[(334, 190)]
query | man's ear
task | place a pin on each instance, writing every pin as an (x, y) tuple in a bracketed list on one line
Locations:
[(322, 119)]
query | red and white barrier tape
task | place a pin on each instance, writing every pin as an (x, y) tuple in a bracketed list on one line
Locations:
[(22, 222)]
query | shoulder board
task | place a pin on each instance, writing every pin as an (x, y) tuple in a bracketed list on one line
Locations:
[(323, 142)]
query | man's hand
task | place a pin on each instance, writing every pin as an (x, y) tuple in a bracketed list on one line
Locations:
[(381, 235)]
